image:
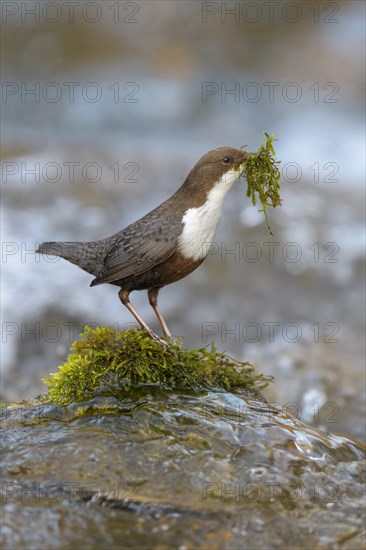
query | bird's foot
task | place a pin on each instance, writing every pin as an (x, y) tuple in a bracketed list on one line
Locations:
[(156, 338)]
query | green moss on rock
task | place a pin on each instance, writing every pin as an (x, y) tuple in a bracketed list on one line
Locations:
[(263, 176), (108, 362)]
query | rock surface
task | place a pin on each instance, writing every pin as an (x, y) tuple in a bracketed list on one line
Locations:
[(163, 470)]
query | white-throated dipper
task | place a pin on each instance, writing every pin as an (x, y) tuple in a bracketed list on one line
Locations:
[(166, 244)]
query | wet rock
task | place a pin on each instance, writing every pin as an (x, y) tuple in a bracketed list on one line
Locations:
[(160, 469)]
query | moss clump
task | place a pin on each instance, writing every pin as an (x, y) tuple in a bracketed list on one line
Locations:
[(108, 362), (263, 176)]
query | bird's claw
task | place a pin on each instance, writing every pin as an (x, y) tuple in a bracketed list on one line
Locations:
[(156, 338)]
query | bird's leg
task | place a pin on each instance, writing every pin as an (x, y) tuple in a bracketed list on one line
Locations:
[(123, 296), (153, 299)]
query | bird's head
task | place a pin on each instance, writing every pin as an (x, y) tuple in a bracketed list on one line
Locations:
[(215, 172)]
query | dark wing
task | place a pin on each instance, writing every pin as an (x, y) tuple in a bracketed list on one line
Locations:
[(140, 247)]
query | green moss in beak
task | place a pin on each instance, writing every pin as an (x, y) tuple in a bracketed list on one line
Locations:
[(263, 176)]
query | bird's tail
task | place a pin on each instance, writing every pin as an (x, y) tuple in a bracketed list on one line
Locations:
[(85, 255), (69, 251)]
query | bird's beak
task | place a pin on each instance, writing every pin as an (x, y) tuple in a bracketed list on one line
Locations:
[(240, 161), (243, 156)]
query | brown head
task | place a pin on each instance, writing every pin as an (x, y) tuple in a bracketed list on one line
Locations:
[(216, 165)]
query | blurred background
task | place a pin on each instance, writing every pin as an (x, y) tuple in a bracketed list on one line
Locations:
[(106, 106)]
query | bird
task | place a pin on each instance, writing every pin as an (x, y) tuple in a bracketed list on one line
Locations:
[(166, 244)]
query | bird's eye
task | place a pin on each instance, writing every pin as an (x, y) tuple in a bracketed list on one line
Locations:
[(227, 160)]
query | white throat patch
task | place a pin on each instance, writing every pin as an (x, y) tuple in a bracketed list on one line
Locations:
[(199, 224)]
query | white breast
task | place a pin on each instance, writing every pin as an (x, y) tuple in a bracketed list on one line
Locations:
[(199, 224)]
